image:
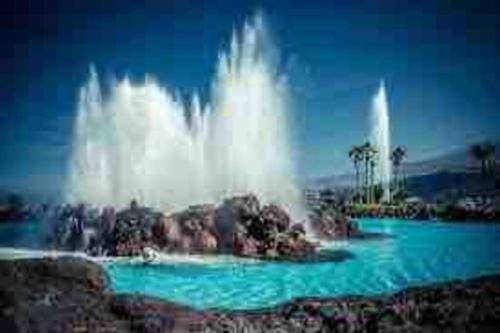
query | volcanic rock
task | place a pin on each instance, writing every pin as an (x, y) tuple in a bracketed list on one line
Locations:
[(49, 295), (240, 225), (329, 224)]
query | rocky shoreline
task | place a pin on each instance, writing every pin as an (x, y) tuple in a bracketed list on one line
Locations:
[(73, 295)]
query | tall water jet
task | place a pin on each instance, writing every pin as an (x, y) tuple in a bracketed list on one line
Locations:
[(381, 139), (137, 142)]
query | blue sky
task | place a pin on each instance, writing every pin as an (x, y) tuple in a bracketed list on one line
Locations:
[(440, 62)]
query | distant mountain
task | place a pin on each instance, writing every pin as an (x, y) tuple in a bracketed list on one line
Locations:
[(427, 177), (458, 161), (337, 181)]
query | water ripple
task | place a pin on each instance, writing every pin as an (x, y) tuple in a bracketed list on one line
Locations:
[(417, 253)]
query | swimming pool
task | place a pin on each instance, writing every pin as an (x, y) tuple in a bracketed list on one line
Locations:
[(417, 253)]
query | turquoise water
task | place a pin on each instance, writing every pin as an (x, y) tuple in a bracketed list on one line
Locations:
[(418, 252), (23, 234)]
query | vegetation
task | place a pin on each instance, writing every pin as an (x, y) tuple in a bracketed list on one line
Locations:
[(356, 155), (485, 154), (397, 156), (13, 209), (365, 154)]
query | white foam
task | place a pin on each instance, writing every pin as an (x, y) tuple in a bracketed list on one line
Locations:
[(10, 253)]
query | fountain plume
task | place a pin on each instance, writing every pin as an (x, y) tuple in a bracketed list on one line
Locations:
[(381, 139), (136, 142)]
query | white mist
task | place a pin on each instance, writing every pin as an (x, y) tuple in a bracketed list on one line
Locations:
[(137, 143), (381, 139)]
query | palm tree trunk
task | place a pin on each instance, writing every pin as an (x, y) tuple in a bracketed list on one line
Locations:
[(398, 180), (372, 184), (356, 166), (367, 188), (356, 186)]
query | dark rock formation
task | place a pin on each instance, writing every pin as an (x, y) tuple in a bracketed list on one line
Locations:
[(70, 295), (462, 212), (248, 229), (14, 209), (276, 217), (329, 224), (150, 315), (191, 230), (233, 219), (240, 225), (63, 295), (133, 230)]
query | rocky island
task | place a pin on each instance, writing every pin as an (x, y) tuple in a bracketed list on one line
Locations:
[(240, 225)]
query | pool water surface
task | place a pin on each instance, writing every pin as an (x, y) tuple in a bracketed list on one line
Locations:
[(417, 253)]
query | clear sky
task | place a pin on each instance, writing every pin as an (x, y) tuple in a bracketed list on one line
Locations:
[(439, 59)]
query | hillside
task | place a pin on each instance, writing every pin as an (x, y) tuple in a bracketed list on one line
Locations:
[(455, 169)]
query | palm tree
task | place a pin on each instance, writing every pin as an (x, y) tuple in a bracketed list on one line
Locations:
[(485, 154), (372, 179), (356, 155), (397, 156), (369, 153), (490, 158)]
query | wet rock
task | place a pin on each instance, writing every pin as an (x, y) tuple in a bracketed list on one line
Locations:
[(70, 295), (295, 248), (240, 225), (205, 241), (173, 233), (47, 295), (330, 224), (471, 306), (247, 229), (234, 214), (192, 230), (276, 217), (246, 246), (242, 208), (148, 314), (133, 230), (297, 230)]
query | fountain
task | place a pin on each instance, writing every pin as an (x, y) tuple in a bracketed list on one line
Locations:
[(142, 141), (381, 138)]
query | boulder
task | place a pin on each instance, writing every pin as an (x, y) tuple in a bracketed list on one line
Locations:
[(245, 207), (55, 295), (205, 241), (191, 230), (276, 217), (234, 213), (329, 224), (295, 248), (133, 230), (151, 315), (246, 246), (297, 230), (250, 230)]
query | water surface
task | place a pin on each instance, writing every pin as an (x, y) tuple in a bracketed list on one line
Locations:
[(22, 234), (418, 253)]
